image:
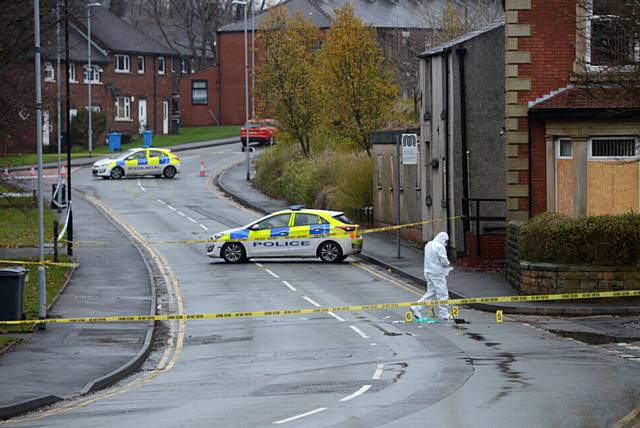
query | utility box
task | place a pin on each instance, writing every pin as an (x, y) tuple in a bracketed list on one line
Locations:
[(147, 139), (114, 140), (12, 293)]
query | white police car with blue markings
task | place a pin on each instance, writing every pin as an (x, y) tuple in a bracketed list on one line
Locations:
[(139, 161), (297, 232)]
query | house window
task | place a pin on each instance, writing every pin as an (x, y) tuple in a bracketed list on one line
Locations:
[(184, 66), (161, 64), (94, 73), (140, 65), (72, 72), (123, 108), (611, 40), (49, 75), (565, 148), (94, 109), (122, 63), (199, 92), (379, 165), (173, 64), (614, 148)]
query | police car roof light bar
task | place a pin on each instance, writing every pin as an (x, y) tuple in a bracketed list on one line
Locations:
[(296, 207)]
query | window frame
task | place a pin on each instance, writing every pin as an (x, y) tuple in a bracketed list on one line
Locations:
[(206, 92), (559, 142), (126, 107), (49, 72), (379, 167), (162, 70), (96, 70), (72, 72), (184, 66), (126, 62), (615, 158), (141, 61)]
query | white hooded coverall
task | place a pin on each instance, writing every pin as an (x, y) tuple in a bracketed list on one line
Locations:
[(436, 269)]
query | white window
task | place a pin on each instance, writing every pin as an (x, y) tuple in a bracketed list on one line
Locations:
[(122, 63), (184, 66), (123, 108), (72, 73), (199, 94), (565, 148), (611, 40), (379, 166), (94, 73), (140, 65), (49, 75), (95, 109), (73, 113), (614, 148), (173, 64), (161, 64)]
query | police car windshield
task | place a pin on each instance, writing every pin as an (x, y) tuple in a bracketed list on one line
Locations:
[(343, 218)]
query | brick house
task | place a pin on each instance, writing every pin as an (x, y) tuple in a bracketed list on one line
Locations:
[(135, 79), (404, 29), (571, 147), (198, 98)]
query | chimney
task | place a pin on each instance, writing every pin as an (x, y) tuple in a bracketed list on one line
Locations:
[(117, 7)]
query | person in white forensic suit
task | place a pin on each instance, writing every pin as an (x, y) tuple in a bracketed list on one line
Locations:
[(436, 269)]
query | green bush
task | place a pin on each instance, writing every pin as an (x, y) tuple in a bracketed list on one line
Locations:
[(612, 240), (79, 126)]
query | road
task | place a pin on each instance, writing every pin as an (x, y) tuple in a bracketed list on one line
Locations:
[(367, 369)]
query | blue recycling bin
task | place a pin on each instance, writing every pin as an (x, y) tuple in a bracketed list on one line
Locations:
[(115, 140), (147, 139)]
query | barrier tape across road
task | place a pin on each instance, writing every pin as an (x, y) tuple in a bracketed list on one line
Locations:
[(375, 306)]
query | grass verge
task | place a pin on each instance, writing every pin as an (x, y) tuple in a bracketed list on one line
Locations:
[(187, 135), (19, 220)]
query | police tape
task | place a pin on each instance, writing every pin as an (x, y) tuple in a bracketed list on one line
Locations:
[(341, 234), (355, 308), (44, 263)]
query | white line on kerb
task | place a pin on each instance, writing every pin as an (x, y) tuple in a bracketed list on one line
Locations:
[(360, 332), (361, 391), (171, 208), (272, 274), (192, 220), (378, 373), (203, 226), (139, 184), (182, 214), (293, 418), (338, 317), (291, 287), (311, 301), (161, 201), (258, 264)]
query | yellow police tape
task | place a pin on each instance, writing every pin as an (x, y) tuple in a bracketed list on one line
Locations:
[(44, 263), (273, 238), (374, 306)]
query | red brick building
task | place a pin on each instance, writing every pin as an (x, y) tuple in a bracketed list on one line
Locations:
[(199, 98), (134, 78), (571, 146)]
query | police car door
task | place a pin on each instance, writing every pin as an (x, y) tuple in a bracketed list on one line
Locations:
[(135, 162), (306, 227), (270, 237), (154, 162)]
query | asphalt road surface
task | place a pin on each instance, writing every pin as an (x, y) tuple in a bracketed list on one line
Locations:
[(365, 369)]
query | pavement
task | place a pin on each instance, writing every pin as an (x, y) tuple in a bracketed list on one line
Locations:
[(67, 360), (381, 249)]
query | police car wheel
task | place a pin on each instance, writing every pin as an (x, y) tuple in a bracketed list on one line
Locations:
[(330, 252), (117, 173), (169, 172), (233, 252)]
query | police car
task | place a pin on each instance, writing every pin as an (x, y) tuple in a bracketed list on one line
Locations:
[(296, 232), (140, 161)]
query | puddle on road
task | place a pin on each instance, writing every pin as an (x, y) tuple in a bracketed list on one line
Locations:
[(593, 338)]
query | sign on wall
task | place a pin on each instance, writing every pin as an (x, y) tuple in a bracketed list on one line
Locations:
[(409, 149)]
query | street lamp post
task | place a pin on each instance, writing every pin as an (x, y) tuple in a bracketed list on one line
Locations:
[(246, 87), (90, 76), (253, 60)]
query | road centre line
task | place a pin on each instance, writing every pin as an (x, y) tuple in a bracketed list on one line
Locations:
[(161, 201), (311, 301), (293, 418), (361, 391), (143, 189), (171, 208), (258, 264), (291, 287), (271, 273), (378, 373), (360, 332), (192, 220), (203, 226), (182, 214), (338, 317)]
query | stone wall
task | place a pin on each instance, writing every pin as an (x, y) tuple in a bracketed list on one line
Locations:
[(548, 278), (513, 253)]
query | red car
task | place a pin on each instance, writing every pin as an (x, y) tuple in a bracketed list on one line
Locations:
[(261, 131)]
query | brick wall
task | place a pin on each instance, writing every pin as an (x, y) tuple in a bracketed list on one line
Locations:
[(491, 248), (231, 79), (199, 114)]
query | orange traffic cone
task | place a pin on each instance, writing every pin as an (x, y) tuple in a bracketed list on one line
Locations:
[(202, 171), (63, 171), (33, 171)]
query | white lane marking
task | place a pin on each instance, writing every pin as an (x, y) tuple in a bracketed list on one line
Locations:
[(311, 301), (291, 287), (171, 208), (143, 189), (182, 214), (139, 184), (361, 391), (628, 356), (635, 348), (258, 264), (161, 201), (192, 220), (272, 274), (378, 373), (338, 317), (635, 359), (622, 344), (293, 418), (360, 332), (203, 226)]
